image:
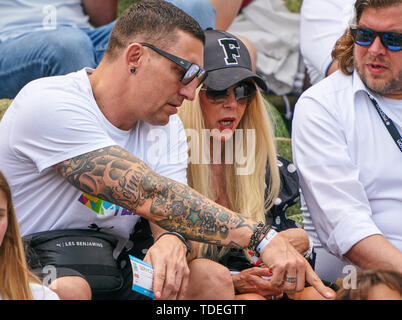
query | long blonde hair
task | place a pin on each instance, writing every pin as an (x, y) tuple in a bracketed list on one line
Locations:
[(245, 193), (14, 273)]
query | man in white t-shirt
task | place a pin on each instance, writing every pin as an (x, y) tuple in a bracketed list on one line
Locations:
[(347, 146), (70, 143), (73, 122)]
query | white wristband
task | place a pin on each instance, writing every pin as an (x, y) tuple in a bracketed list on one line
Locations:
[(266, 240)]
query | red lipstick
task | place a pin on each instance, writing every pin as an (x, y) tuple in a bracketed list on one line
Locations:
[(226, 123)]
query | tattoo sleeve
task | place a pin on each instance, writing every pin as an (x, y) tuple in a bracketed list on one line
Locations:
[(114, 175)]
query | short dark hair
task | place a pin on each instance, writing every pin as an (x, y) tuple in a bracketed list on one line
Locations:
[(153, 21), (343, 51)]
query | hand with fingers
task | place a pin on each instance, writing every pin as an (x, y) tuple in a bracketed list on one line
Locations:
[(256, 280), (171, 271), (290, 269)]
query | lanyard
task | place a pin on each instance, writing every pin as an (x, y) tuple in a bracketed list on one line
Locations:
[(393, 131)]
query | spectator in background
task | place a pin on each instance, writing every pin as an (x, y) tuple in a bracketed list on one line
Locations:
[(47, 38), (217, 14), (321, 24), (373, 285), (348, 159), (17, 282), (274, 31)]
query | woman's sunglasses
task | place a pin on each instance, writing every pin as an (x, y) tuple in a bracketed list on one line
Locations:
[(192, 70), (365, 37), (244, 92)]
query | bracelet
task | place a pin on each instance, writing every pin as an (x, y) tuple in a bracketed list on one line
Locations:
[(255, 241), (186, 243), (266, 240), (255, 237)]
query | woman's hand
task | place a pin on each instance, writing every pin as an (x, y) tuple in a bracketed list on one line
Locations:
[(290, 269), (252, 280)]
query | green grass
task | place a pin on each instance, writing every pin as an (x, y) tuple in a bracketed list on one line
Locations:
[(4, 103), (123, 4)]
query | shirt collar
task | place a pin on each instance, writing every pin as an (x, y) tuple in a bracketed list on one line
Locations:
[(357, 84)]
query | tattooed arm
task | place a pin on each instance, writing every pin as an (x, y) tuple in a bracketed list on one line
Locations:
[(114, 175)]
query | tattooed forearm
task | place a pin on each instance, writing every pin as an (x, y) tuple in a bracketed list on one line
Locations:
[(115, 175), (179, 208)]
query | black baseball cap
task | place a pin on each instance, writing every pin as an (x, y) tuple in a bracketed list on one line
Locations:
[(227, 61)]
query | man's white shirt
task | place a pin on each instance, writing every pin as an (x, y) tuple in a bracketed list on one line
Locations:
[(349, 166)]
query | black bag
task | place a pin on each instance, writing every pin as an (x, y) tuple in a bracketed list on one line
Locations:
[(86, 251)]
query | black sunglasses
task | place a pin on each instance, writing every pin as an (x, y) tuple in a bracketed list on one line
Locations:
[(365, 37), (192, 70), (244, 92)]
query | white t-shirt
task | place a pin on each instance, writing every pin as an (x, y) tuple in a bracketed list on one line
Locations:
[(275, 33), (56, 118), (349, 166), (321, 25), (41, 292), (18, 17)]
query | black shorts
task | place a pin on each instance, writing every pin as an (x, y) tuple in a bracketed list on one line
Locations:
[(49, 258), (125, 293)]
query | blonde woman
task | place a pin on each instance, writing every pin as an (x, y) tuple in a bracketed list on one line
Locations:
[(232, 155), (16, 281)]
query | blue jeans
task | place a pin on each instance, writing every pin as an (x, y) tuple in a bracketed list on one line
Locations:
[(49, 53), (201, 10), (57, 52)]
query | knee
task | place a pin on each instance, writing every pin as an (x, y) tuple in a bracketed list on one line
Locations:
[(220, 276), (69, 51), (210, 280), (71, 288), (211, 270)]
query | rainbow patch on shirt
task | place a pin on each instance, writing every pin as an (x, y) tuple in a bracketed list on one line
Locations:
[(102, 207)]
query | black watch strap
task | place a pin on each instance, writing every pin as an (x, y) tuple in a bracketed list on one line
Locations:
[(184, 240)]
